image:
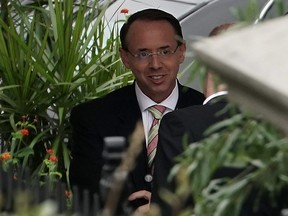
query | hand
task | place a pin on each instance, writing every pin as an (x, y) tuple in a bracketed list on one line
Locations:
[(141, 195)]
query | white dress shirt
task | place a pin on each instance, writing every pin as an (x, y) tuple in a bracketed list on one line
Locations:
[(145, 102)]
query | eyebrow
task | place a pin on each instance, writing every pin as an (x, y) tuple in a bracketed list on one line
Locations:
[(160, 48)]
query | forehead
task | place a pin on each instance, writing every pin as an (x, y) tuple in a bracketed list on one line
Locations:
[(146, 34)]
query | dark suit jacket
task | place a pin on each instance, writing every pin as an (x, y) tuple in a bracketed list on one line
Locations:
[(193, 121), (113, 115)]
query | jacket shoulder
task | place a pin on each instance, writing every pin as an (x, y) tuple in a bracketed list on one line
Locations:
[(115, 95), (189, 96), (109, 101)]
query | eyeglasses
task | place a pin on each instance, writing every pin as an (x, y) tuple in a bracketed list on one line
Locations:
[(163, 53)]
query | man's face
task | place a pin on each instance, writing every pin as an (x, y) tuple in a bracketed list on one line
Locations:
[(155, 75)]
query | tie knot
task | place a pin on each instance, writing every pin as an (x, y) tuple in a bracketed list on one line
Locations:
[(157, 111)]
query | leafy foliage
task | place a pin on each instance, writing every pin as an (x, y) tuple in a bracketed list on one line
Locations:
[(54, 55), (253, 148)]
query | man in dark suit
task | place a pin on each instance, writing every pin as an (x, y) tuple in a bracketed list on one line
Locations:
[(153, 48)]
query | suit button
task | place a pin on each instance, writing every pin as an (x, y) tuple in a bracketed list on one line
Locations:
[(148, 178)]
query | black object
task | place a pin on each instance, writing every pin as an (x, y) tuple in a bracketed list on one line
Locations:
[(112, 157), (113, 152), (138, 202)]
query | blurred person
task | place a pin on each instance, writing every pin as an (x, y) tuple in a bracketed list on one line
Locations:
[(192, 122), (213, 84), (153, 48)]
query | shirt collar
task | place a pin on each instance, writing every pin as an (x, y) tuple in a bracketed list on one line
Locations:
[(145, 102), (213, 96)]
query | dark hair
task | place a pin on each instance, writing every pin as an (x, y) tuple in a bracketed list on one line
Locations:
[(150, 15), (220, 29)]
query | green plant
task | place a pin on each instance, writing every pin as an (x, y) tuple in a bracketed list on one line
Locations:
[(20, 145), (54, 55), (252, 146)]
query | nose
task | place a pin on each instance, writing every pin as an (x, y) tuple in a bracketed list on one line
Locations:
[(155, 61)]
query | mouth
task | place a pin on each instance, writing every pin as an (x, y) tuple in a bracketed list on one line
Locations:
[(156, 77)]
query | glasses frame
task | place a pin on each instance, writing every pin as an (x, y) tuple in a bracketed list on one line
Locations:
[(158, 53)]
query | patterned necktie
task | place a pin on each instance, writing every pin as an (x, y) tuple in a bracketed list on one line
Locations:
[(157, 112)]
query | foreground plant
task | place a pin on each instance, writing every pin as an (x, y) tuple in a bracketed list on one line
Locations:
[(253, 148)]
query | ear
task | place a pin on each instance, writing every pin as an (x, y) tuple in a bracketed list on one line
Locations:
[(182, 51), (125, 58)]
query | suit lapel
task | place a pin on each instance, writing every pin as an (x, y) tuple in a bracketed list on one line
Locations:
[(129, 111), (182, 100), (128, 118)]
